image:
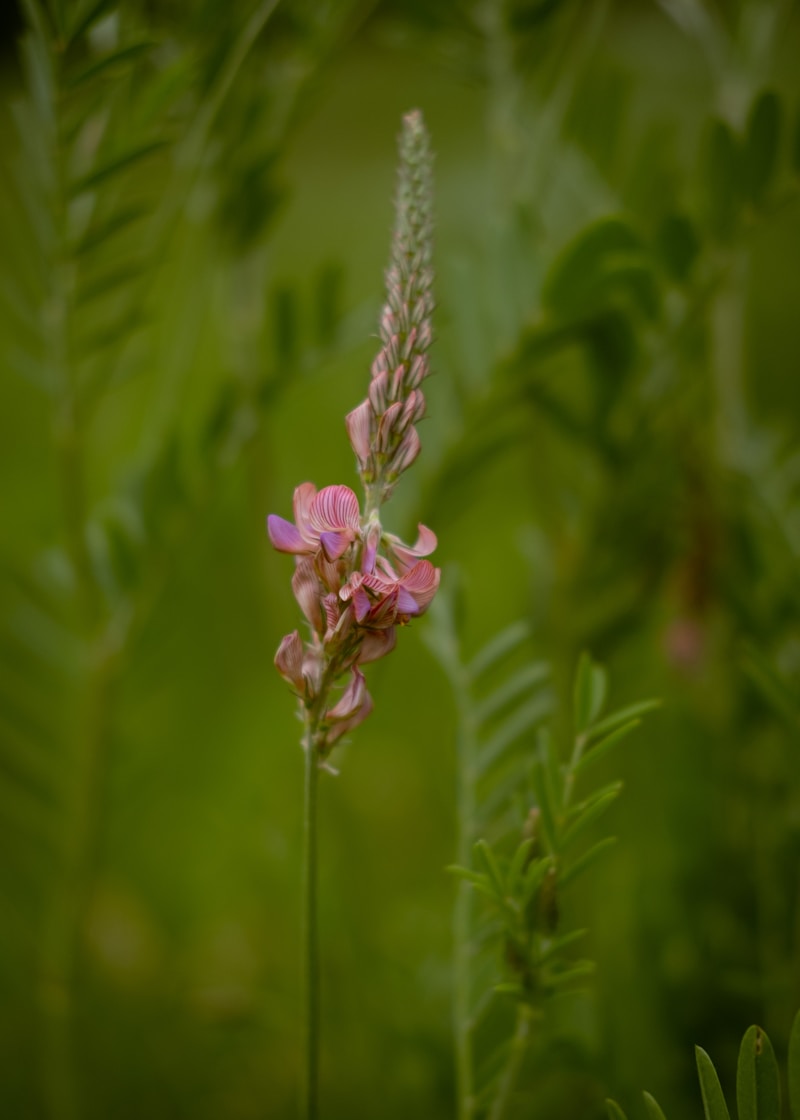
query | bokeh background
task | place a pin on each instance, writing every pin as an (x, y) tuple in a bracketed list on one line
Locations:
[(195, 212)]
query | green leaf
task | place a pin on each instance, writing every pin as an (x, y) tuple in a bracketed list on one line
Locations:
[(586, 860), (518, 683), (757, 1081), (653, 1108), (614, 1111), (570, 288), (115, 165), (592, 813), (520, 721), (499, 647), (714, 1105), (624, 715), (559, 944), (774, 689), (107, 62), (761, 145), (540, 787), (569, 975), (483, 852), (589, 692), (534, 877), (721, 160), (793, 1068), (519, 862), (678, 246), (605, 745), (551, 769)]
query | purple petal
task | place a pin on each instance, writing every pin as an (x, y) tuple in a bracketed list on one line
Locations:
[(284, 536), (335, 544), (335, 508)]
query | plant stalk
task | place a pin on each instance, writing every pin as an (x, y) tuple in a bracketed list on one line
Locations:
[(519, 1045), (310, 935)]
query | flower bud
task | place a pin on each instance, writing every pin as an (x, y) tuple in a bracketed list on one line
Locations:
[(289, 660)]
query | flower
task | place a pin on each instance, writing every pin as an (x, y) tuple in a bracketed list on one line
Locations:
[(382, 598), (327, 521)]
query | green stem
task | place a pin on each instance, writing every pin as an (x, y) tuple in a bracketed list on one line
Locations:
[(519, 1045), (310, 936), (462, 915)]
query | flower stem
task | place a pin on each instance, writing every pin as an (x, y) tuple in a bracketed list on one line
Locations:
[(310, 946), (519, 1045)]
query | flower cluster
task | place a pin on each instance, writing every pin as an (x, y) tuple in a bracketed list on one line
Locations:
[(354, 582)]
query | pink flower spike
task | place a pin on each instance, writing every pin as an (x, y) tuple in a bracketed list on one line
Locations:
[(289, 660), (359, 431), (284, 536)]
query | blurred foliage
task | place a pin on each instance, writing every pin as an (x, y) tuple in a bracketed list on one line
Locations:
[(193, 228)]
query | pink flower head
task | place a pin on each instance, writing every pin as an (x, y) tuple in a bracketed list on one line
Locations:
[(327, 521), (381, 599)]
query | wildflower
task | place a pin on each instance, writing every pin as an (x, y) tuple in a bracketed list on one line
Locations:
[(354, 582)]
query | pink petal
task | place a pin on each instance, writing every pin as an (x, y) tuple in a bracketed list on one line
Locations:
[(284, 536), (422, 582), (407, 451), (351, 699), (308, 592), (334, 508), (387, 425), (371, 543), (359, 430), (377, 643), (406, 554), (378, 389), (303, 497), (289, 660), (362, 604), (343, 726)]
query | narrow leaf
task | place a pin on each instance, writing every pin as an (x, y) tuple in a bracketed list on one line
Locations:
[(624, 715), (761, 146), (518, 864), (534, 876), (113, 166), (614, 1111), (653, 1108), (499, 647), (545, 806), (601, 749), (115, 58), (520, 721), (714, 1105), (559, 944), (548, 753), (588, 817), (579, 972), (586, 860), (484, 853), (757, 1081), (516, 685), (582, 692)]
